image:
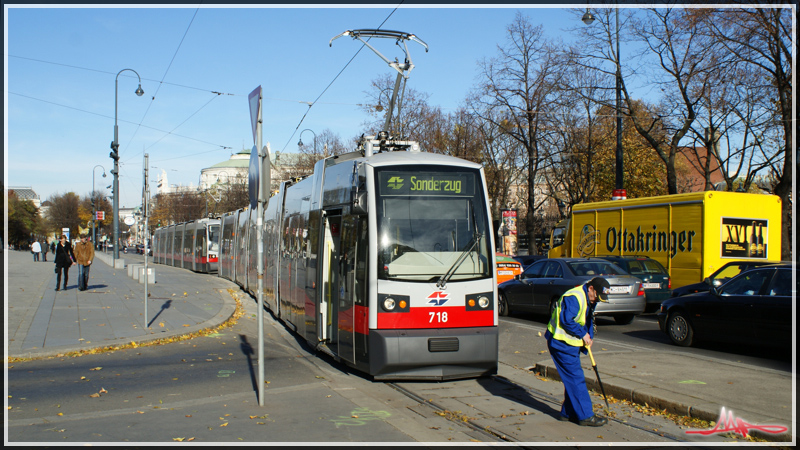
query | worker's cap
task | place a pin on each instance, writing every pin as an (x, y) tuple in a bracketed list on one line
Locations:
[(602, 288)]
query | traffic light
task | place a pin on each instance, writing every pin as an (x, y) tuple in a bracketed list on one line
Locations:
[(114, 151)]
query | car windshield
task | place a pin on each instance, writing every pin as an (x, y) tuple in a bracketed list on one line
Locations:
[(749, 283), (591, 268), (645, 266)]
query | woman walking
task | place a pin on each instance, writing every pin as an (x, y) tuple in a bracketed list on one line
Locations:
[(65, 259)]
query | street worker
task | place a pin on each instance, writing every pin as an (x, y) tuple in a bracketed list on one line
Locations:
[(570, 332), (84, 255)]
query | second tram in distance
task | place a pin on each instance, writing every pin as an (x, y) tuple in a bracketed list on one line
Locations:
[(192, 245)]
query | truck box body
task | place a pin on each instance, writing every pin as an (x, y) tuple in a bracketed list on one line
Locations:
[(692, 234)]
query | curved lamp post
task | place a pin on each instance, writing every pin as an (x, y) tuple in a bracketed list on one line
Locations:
[(300, 142), (115, 156), (588, 18), (94, 209)]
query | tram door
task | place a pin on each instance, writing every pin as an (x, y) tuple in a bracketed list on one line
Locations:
[(326, 314)]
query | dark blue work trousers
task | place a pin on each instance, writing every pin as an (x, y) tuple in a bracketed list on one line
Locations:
[(577, 403)]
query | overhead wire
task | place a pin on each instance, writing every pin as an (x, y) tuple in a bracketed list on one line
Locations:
[(310, 105), (166, 71)]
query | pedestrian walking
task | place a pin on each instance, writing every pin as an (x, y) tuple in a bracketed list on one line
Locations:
[(569, 333), (44, 250), (65, 258), (36, 249), (84, 255)]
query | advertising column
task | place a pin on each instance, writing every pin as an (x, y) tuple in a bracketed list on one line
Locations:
[(509, 231)]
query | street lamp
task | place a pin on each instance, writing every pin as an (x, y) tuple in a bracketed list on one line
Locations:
[(115, 156), (94, 210), (300, 142), (588, 18)]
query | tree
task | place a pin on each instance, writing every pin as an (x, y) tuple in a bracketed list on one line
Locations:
[(674, 58), (64, 212), (232, 196), (410, 111), (516, 89), (762, 39), (326, 144), (85, 209), (23, 219), (644, 173)]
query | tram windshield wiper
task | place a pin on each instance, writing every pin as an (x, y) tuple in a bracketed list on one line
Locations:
[(476, 239)]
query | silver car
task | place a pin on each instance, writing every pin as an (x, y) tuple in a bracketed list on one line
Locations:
[(542, 283)]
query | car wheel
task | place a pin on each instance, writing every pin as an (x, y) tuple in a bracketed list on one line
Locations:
[(679, 329), (502, 305), (624, 319)]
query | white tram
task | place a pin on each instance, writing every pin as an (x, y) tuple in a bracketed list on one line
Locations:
[(382, 258), (191, 245)]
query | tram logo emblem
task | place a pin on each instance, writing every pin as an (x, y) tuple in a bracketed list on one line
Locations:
[(395, 183), (438, 298)]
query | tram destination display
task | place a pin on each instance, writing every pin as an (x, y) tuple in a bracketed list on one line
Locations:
[(404, 183)]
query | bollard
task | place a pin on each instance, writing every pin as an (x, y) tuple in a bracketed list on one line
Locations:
[(131, 269), (151, 275)]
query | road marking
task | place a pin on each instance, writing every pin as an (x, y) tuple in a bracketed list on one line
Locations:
[(360, 416)]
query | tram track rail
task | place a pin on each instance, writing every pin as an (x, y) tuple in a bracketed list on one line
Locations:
[(536, 394)]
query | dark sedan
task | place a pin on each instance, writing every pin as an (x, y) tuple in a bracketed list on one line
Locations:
[(655, 278), (755, 306), (542, 283), (718, 278)]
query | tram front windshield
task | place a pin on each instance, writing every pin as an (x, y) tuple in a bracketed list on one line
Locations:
[(431, 221)]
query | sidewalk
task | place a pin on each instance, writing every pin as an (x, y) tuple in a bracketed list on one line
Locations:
[(42, 322)]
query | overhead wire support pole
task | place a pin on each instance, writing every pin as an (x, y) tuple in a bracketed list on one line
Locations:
[(146, 213), (403, 70)]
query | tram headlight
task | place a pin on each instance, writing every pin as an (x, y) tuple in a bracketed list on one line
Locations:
[(394, 303), (479, 301)]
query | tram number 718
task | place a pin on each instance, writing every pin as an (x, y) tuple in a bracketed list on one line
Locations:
[(439, 317)]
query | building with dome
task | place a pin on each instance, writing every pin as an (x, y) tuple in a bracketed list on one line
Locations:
[(233, 170)]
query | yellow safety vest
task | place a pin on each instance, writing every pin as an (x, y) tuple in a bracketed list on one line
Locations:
[(554, 327)]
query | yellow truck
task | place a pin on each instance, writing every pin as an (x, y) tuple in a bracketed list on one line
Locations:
[(691, 235)]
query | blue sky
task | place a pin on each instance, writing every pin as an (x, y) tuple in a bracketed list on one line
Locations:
[(61, 62)]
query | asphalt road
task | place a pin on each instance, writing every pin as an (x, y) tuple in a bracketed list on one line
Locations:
[(643, 334)]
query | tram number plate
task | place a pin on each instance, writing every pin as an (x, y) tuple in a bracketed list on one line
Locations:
[(437, 317), (651, 285)]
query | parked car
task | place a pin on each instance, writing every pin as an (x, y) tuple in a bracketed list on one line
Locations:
[(655, 278), (542, 283), (527, 260), (718, 278), (754, 306), (507, 267)]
